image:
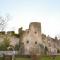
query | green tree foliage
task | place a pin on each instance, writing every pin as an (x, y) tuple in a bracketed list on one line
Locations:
[(5, 44), (2, 47)]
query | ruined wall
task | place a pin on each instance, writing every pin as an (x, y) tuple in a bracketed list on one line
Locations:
[(32, 36)]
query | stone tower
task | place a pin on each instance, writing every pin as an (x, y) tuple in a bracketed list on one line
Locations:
[(35, 26), (32, 36)]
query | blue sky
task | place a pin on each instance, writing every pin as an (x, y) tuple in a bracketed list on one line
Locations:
[(23, 12)]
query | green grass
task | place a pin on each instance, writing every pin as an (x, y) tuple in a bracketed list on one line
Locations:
[(42, 58), (22, 59), (1, 58)]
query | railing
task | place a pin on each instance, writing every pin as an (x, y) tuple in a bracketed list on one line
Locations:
[(8, 53)]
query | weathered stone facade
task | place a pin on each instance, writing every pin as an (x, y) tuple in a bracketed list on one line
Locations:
[(31, 38)]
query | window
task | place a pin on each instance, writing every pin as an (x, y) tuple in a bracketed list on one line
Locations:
[(35, 32), (35, 42), (27, 42)]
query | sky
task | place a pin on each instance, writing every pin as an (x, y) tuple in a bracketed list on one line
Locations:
[(22, 12)]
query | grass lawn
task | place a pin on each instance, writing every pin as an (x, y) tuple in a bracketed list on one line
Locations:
[(22, 59), (1, 58), (43, 58)]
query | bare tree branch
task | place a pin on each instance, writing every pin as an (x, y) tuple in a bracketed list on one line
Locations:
[(3, 22)]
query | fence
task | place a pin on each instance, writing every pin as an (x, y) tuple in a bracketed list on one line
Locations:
[(8, 53)]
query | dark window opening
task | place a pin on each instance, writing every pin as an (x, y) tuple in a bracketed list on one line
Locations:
[(35, 32), (27, 41), (35, 42)]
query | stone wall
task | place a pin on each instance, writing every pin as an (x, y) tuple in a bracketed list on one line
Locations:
[(32, 36)]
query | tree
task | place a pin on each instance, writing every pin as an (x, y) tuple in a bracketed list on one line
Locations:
[(2, 47), (3, 22), (5, 44)]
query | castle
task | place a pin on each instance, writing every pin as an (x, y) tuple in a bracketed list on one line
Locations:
[(31, 38)]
